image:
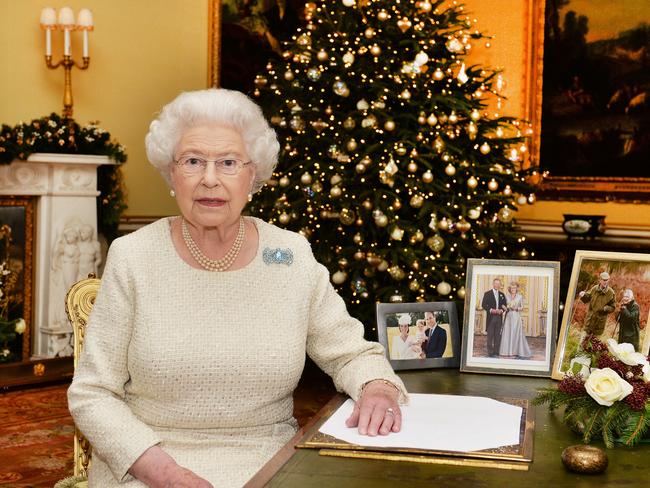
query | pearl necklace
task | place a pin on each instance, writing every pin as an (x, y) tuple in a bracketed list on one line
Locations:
[(214, 264)]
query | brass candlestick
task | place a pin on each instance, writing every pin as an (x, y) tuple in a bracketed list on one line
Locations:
[(67, 62)]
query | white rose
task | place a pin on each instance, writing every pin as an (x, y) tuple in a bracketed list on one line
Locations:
[(646, 372), (606, 386), (20, 326), (625, 352), (581, 365)]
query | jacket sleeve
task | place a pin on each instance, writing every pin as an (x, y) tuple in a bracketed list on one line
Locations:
[(485, 305), (335, 341), (96, 396), (441, 343), (611, 304)]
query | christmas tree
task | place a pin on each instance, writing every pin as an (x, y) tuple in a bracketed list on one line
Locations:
[(392, 163), (10, 328)]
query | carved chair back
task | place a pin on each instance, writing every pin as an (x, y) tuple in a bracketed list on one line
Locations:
[(79, 303)]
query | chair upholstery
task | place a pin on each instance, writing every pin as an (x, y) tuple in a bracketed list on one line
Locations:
[(79, 302)]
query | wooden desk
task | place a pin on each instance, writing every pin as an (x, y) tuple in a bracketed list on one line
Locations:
[(305, 468)]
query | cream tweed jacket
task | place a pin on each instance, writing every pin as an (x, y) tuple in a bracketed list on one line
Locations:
[(205, 363)]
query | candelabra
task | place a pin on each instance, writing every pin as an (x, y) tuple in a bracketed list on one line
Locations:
[(67, 25)]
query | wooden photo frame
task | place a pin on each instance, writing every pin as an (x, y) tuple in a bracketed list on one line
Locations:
[(591, 100), (432, 339), (515, 334), (626, 271), (18, 215)]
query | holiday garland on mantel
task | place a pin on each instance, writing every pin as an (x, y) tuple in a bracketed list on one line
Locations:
[(55, 134)]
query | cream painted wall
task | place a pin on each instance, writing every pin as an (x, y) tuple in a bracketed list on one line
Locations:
[(143, 53)]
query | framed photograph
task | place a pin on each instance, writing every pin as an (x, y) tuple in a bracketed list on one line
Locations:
[(510, 316), (609, 296), (594, 80), (17, 229), (419, 335)]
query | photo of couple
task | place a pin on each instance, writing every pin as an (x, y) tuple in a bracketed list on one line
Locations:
[(418, 335)]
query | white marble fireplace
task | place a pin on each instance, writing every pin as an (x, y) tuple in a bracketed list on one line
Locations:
[(65, 241)]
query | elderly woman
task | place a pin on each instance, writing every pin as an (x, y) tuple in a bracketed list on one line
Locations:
[(162, 391)]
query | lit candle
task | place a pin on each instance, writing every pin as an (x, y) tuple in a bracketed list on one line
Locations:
[(48, 20), (66, 22), (85, 23)]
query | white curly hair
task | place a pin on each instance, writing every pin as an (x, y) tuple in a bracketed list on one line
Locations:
[(228, 107)]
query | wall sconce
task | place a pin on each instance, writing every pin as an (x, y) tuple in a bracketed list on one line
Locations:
[(66, 23)]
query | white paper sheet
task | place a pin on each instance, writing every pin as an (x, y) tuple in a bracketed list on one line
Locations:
[(439, 422)]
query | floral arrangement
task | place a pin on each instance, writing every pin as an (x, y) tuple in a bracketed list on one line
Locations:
[(605, 394), (9, 328), (55, 134)]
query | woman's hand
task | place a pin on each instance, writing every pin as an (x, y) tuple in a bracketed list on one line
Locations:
[(377, 411), (157, 469)]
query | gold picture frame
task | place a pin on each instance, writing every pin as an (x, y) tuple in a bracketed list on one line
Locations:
[(632, 189), (18, 213), (214, 41), (626, 271)]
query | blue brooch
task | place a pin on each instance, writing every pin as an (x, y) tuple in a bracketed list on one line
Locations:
[(278, 256)]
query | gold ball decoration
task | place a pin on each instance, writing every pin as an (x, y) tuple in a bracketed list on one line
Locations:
[(475, 115), (401, 150), (339, 277), (412, 167), (474, 213), (521, 200), (322, 55), (450, 170), (463, 225), (348, 58), (472, 182), (349, 123), (375, 50), (335, 191), (443, 224), (416, 201), (418, 236), (461, 293), (425, 7), (373, 259), (381, 220), (305, 179), (427, 177), (493, 185), (357, 238), (585, 459), (443, 288), (397, 204), (336, 179), (436, 243), (284, 181), (438, 74), (507, 191), (414, 285), (389, 125), (347, 217), (383, 266), (422, 119), (343, 263), (397, 234), (432, 120), (284, 218), (532, 198), (367, 204), (523, 254), (360, 168), (505, 215), (359, 255), (382, 15), (288, 75), (369, 33), (351, 145), (396, 273), (484, 148)]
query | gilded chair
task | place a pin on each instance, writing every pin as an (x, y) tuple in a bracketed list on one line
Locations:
[(79, 303)]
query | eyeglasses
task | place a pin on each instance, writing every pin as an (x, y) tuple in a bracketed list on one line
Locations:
[(192, 165)]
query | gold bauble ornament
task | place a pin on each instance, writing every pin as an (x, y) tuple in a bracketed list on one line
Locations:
[(450, 170), (416, 201), (305, 179), (351, 145), (523, 254), (357, 238), (335, 192), (389, 125), (360, 168), (438, 74), (404, 24), (397, 204), (531, 198), (383, 266), (335, 179), (373, 259), (432, 120), (400, 150), (461, 293), (339, 277), (381, 220), (484, 148), (406, 95), (375, 50), (412, 167), (521, 200), (397, 234), (317, 186), (474, 213), (436, 243), (472, 182), (359, 255), (443, 224), (492, 185), (322, 55), (284, 218), (382, 15), (427, 177), (414, 285), (396, 272), (367, 204), (425, 7), (418, 236), (346, 216), (422, 118), (475, 115), (349, 123), (284, 181), (288, 75), (343, 262), (463, 225), (369, 33), (584, 459), (507, 191), (443, 288)]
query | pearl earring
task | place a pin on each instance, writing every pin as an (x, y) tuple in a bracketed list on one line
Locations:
[(172, 193), (250, 197)]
